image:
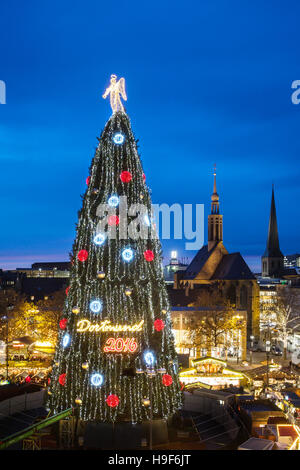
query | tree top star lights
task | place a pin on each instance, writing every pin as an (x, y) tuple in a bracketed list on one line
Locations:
[(112, 318)]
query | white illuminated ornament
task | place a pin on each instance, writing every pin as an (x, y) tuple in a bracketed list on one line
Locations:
[(66, 340), (113, 201), (118, 138), (97, 380), (127, 254), (99, 239), (149, 358), (116, 89), (96, 306)]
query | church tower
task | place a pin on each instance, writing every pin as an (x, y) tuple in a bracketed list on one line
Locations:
[(272, 259), (215, 219)]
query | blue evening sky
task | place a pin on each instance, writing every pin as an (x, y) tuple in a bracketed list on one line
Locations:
[(207, 81)]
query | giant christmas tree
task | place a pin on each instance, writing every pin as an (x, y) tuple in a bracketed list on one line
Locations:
[(115, 344)]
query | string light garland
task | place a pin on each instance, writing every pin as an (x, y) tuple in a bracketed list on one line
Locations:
[(133, 295)]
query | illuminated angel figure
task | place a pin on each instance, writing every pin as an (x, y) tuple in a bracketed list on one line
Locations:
[(116, 89)]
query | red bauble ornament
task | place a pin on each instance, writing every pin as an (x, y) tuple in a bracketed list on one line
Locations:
[(113, 220), (63, 323), (62, 379), (159, 324), (28, 379), (82, 255), (126, 176), (67, 290), (181, 385), (144, 177), (88, 180), (49, 381), (112, 400), (167, 380), (149, 255)]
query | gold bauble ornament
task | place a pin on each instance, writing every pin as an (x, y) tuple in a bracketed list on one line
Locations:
[(75, 310)]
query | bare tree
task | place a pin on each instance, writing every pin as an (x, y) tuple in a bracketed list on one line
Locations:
[(280, 317), (212, 326)]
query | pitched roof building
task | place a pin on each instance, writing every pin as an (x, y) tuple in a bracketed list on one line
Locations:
[(214, 267)]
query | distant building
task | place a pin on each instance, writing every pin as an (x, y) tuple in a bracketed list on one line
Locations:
[(292, 261), (214, 268), (53, 269), (173, 266), (37, 282)]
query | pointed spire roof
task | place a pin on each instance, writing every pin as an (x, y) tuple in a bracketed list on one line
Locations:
[(273, 249)]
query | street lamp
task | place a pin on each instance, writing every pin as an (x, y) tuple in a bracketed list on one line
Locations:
[(251, 348), (268, 348)]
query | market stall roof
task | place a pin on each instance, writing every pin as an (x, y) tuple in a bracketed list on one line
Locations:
[(23, 339)]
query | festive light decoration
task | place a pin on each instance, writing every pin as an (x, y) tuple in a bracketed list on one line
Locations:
[(126, 176), (96, 306), (149, 358), (82, 255), (113, 268), (85, 325), (28, 379), (113, 220), (113, 201), (88, 180), (116, 89), (97, 380), (62, 379), (127, 254), (76, 310), (112, 400), (66, 340), (167, 380), (149, 255), (99, 239), (159, 325), (63, 323), (119, 345), (118, 138)]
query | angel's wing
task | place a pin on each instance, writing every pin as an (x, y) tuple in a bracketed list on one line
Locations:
[(122, 88)]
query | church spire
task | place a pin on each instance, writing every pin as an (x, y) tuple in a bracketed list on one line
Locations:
[(272, 260), (215, 219)]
